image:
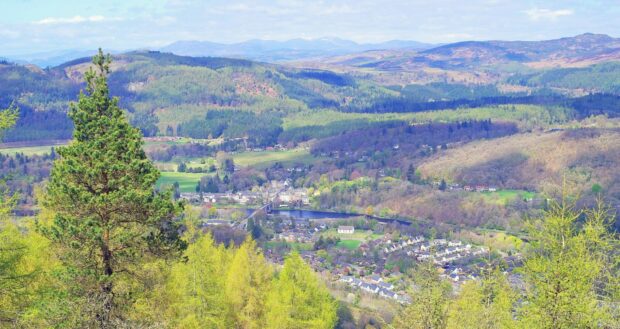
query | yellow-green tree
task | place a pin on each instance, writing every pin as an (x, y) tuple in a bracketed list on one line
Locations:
[(247, 284), (571, 270), (299, 300), (484, 304), (429, 302), (197, 287)]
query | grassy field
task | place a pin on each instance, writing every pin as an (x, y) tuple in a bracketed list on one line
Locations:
[(267, 158), (505, 196), (47, 146), (349, 244), (29, 150), (187, 181), (359, 235)]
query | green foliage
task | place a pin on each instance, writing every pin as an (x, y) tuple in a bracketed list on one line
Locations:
[(197, 287), (429, 302), (485, 304), (248, 282), (298, 300), (146, 121), (571, 270), (108, 218), (260, 129), (603, 77)]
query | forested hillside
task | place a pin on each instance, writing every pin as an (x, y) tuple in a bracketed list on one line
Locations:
[(162, 92)]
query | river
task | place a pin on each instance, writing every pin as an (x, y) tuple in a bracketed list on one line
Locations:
[(317, 214)]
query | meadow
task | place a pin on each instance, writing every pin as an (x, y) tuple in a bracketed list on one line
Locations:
[(187, 181), (360, 235), (503, 197), (28, 150), (267, 158)]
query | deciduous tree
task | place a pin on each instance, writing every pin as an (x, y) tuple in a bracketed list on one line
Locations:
[(298, 300)]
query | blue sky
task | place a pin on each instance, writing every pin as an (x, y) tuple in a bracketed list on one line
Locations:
[(29, 26)]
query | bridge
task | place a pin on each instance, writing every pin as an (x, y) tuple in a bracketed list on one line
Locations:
[(267, 208)]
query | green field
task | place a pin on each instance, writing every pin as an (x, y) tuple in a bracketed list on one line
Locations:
[(360, 235), (187, 181), (28, 150), (267, 158), (349, 244), (504, 196)]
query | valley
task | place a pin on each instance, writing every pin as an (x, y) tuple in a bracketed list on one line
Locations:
[(368, 164)]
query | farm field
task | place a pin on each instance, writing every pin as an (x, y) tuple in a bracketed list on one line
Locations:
[(504, 196), (45, 147), (360, 235), (187, 181), (267, 158), (28, 150), (349, 244)]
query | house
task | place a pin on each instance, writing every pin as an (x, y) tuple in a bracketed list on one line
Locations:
[(346, 229), (375, 278)]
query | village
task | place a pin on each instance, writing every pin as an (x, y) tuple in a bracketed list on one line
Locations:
[(365, 256), (355, 253)]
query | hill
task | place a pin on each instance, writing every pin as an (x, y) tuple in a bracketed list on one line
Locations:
[(163, 92), (480, 61), (535, 161)]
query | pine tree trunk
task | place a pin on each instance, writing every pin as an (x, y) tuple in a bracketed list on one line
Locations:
[(107, 294)]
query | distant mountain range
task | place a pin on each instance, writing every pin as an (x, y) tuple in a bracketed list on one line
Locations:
[(274, 51), (259, 50), (579, 51)]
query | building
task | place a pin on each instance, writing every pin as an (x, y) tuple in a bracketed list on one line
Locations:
[(346, 229)]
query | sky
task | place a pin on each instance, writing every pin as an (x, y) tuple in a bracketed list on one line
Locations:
[(33, 26)]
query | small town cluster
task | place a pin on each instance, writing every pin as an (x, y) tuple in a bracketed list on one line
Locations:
[(363, 255)]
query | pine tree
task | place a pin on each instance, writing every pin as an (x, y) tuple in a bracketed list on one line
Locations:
[(411, 177), (108, 217), (298, 300), (247, 284)]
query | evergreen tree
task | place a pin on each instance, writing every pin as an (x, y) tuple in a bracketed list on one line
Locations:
[(298, 300), (108, 218), (411, 177), (443, 185)]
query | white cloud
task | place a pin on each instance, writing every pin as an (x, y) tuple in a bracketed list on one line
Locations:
[(75, 20), (536, 14)]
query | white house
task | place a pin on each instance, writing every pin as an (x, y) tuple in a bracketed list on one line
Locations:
[(346, 229)]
